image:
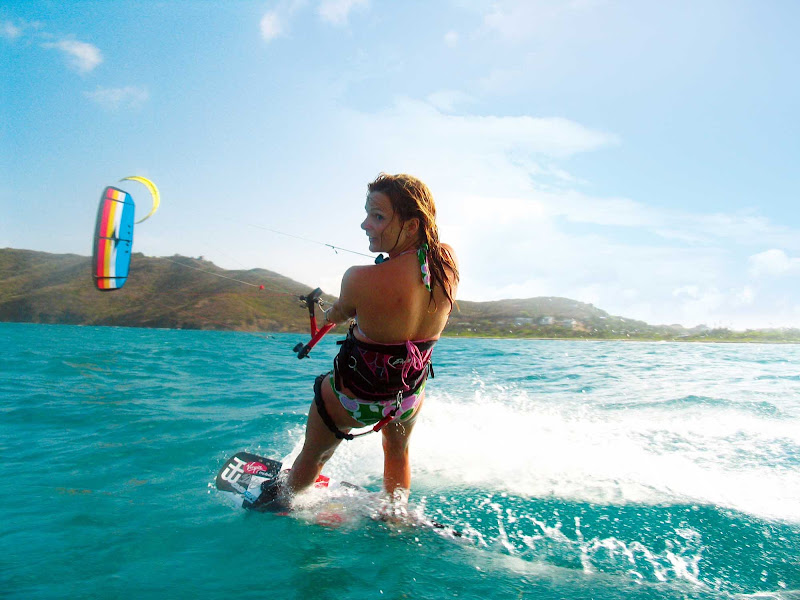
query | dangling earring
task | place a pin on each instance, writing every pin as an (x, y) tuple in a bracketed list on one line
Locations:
[(422, 255)]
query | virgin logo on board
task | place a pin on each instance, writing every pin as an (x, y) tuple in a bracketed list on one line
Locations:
[(254, 468)]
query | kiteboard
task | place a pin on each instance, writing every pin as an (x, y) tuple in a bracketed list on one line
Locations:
[(247, 476)]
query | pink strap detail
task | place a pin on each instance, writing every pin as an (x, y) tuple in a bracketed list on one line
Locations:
[(414, 361)]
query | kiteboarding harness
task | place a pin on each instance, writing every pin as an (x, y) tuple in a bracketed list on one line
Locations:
[(378, 373)]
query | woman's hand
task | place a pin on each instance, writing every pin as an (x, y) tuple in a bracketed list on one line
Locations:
[(335, 314)]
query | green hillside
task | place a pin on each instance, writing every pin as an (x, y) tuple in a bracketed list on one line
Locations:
[(175, 292)]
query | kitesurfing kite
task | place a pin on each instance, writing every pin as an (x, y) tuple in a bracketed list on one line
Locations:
[(113, 234)]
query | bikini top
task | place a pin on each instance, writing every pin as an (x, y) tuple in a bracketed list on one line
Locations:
[(377, 372)]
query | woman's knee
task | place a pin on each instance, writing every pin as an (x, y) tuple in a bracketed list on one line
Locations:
[(395, 443), (314, 456)]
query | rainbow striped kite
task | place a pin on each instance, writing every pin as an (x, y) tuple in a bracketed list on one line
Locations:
[(113, 239)]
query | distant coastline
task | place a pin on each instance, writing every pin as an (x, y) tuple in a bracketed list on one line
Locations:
[(744, 337), (180, 292)]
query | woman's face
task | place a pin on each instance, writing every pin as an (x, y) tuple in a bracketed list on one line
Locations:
[(382, 225)]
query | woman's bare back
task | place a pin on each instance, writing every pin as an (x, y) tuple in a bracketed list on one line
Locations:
[(391, 303)]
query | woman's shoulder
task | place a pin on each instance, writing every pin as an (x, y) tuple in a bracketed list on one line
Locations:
[(380, 278), (449, 249), (358, 272), (359, 277), (451, 254)]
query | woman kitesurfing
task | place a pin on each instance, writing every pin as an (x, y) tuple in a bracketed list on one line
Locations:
[(399, 308)]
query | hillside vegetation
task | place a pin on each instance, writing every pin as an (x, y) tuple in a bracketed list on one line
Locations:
[(175, 293), (190, 293)]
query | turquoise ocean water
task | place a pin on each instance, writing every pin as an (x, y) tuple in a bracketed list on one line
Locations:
[(574, 469)]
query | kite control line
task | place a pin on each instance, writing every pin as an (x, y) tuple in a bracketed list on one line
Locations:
[(311, 301)]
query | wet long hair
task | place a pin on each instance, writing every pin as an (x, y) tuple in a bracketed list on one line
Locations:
[(411, 199)]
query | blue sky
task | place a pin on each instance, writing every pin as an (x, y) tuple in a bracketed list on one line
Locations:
[(641, 156)]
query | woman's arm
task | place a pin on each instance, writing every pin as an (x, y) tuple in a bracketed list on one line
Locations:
[(345, 307)]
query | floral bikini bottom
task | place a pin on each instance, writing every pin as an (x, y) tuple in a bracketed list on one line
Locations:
[(369, 412)]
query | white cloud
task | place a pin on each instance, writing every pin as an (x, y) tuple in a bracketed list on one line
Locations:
[(81, 56), (688, 291), (505, 79), (735, 225), (580, 208), (337, 11), (448, 100), (10, 31), (772, 262), (517, 20), (513, 21), (271, 25), (549, 136), (19, 28), (451, 39), (116, 98), (277, 21), (703, 305), (745, 296)]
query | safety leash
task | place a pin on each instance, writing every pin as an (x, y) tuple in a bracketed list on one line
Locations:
[(326, 417)]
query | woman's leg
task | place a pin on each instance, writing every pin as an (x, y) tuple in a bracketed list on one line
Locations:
[(320, 442), (396, 460)]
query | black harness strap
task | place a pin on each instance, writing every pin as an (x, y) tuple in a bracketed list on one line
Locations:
[(350, 370), (323, 412)]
